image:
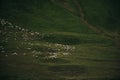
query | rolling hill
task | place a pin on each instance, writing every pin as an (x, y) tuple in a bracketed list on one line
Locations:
[(59, 40)]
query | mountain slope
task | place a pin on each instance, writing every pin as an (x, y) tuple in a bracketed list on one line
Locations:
[(59, 40), (44, 18)]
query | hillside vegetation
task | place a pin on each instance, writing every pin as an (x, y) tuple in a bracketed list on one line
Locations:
[(59, 40)]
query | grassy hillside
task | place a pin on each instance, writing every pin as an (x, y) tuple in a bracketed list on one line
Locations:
[(104, 13), (40, 14), (43, 40), (45, 16)]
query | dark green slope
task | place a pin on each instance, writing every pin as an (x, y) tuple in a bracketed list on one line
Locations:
[(42, 16), (51, 40), (45, 15), (102, 13)]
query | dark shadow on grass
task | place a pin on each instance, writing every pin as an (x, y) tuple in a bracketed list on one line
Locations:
[(101, 60), (43, 49), (68, 70), (4, 77), (108, 78), (62, 39), (56, 60)]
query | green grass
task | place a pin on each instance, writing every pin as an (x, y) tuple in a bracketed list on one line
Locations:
[(52, 31), (102, 13), (47, 17), (94, 57)]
